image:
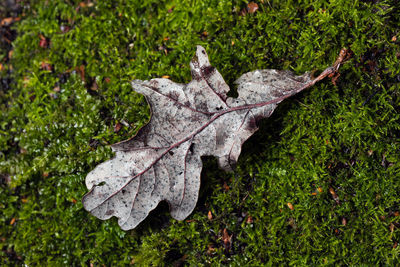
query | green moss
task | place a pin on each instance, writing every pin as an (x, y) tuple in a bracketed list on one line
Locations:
[(341, 140)]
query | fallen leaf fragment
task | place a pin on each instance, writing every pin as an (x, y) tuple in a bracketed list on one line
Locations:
[(43, 42), (226, 187), (45, 65), (290, 205), (8, 21), (163, 160), (81, 71), (210, 249), (319, 190), (252, 7), (334, 195), (227, 239), (209, 215), (249, 220), (12, 221), (117, 127)]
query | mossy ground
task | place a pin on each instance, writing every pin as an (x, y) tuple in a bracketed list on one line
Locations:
[(332, 152)]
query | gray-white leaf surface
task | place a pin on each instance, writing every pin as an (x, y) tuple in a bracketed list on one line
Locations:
[(162, 162)]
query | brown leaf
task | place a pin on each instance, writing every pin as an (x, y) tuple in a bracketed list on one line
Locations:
[(227, 239), (117, 127), (44, 65), (209, 215), (43, 42), (12, 221), (334, 195), (210, 249), (252, 7), (81, 71), (249, 220), (163, 160), (226, 187), (290, 205), (7, 21)]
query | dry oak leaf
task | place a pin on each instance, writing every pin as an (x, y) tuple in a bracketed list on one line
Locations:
[(163, 160)]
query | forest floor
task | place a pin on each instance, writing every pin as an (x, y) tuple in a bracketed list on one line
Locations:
[(318, 184)]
